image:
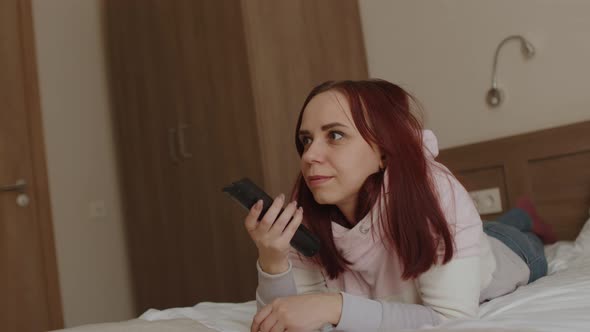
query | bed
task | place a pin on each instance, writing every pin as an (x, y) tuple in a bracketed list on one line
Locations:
[(551, 166), (557, 302)]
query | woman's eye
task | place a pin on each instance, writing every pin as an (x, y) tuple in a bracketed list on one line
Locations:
[(334, 133)]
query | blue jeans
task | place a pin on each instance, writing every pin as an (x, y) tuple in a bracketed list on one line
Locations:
[(514, 229)]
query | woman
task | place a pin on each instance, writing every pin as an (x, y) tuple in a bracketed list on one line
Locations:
[(402, 245)]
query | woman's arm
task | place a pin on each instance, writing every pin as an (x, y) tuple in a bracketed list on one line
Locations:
[(272, 286), (294, 281), (453, 289), (449, 291), (362, 313)]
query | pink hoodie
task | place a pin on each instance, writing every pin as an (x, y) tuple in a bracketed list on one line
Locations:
[(375, 271), (374, 294)]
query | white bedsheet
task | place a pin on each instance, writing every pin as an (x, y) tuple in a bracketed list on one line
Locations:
[(557, 302)]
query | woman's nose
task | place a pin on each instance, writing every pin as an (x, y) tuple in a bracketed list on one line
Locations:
[(313, 153)]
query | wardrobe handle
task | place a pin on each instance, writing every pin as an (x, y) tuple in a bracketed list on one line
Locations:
[(172, 145), (182, 142)]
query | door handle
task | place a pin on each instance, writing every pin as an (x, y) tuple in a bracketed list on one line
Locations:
[(19, 186), (22, 199)]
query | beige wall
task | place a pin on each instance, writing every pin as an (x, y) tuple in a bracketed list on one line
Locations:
[(92, 261), (442, 51)]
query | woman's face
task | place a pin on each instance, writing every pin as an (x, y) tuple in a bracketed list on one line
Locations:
[(334, 148)]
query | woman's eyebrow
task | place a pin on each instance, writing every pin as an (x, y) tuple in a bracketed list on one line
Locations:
[(324, 127)]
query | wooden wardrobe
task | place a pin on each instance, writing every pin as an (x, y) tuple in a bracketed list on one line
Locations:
[(204, 93)]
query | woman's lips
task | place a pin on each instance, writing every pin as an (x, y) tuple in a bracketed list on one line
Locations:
[(316, 181)]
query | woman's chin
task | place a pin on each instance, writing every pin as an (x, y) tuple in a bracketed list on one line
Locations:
[(323, 198)]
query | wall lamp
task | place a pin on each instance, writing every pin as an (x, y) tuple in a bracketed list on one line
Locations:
[(495, 95)]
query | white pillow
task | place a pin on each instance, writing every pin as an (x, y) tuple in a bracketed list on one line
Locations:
[(559, 254), (583, 239)]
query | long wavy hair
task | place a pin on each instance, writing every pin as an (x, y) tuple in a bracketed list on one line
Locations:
[(414, 227)]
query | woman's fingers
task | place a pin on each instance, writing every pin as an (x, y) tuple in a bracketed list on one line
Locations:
[(271, 215), (269, 233), (252, 217), (260, 318), (278, 327), (268, 323), (294, 224), (279, 225)]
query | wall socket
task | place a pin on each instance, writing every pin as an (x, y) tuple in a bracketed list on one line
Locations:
[(487, 201)]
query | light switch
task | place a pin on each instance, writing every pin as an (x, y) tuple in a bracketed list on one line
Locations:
[(487, 201), (97, 209)]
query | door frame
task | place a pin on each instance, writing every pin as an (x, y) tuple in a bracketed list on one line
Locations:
[(40, 191)]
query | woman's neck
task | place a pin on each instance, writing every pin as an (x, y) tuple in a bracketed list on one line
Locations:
[(337, 217), (347, 210)]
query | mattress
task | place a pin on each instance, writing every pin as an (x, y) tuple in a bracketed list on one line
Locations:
[(558, 302)]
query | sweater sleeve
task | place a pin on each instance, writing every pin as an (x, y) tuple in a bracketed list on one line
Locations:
[(452, 290), (294, 281), (272, 286), (449, 291), (357, 312), (366, 314)]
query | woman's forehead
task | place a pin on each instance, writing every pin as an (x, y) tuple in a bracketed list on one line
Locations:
[(326, 107)]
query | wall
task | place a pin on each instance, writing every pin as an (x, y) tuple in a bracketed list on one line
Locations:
[(91, 253), (442, 52)]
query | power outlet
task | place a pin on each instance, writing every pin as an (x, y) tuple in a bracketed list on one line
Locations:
[(487, 201)]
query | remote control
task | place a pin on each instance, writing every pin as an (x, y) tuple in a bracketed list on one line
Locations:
[(247, 194)]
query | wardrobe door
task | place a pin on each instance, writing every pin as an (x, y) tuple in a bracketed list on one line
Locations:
[(205, 93), (219, 257), (143, 75)]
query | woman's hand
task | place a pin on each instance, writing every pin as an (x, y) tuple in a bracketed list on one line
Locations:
[(272, 236), (299, 313)]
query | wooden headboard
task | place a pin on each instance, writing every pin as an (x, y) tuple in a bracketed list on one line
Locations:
[(552, 166)]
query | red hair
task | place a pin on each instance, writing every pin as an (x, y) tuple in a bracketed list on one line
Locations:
[(415, 226)]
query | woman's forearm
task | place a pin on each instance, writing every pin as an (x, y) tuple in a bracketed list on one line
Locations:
[(361, 313), (334, 304), (272, 286)]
